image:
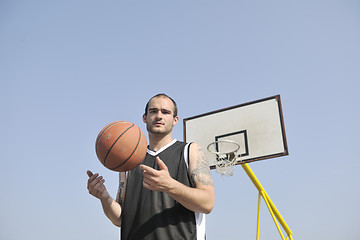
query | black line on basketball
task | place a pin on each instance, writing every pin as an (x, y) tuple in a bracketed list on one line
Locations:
[(131, 153), (100, 135), (116, 141)]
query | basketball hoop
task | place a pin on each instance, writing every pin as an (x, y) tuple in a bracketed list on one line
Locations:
[(226, 155)]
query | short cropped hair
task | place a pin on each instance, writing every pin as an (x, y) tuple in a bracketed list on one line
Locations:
[(162, 95)]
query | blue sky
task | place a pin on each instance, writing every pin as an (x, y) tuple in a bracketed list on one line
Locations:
[(70, 67)]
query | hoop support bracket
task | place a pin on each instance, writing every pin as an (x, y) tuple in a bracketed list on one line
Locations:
[(273, 210)]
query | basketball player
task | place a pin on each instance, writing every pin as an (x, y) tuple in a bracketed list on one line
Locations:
[(168, 195)]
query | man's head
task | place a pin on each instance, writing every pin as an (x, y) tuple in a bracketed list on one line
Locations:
[(163, 95), (160, 114)]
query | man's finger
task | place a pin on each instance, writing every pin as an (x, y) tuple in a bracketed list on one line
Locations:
[(96, 186), (161, 164), (93, 180), (89, 173), (93, 177), (148, 169)]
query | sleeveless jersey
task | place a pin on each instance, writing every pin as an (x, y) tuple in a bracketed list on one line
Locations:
[(152, 215)]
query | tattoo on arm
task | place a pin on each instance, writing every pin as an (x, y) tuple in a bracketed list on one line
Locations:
[(201, 173), (120, 196)]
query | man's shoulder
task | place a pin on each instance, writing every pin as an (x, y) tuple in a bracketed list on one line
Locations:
[(179, 144)]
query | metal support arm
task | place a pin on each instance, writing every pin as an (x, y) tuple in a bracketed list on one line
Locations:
[(273, 210)]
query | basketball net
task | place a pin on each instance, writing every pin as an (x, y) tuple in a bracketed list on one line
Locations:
[(226, 155)]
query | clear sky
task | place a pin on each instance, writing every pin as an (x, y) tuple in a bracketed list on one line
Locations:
[(70, 67)]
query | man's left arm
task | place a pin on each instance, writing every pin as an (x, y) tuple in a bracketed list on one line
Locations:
[(198, 198)]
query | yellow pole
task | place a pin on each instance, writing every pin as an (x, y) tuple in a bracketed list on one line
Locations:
[(260, 188), (272, 214), (258, 218)]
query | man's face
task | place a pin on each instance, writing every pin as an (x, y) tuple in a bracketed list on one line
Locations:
[(160, 116)]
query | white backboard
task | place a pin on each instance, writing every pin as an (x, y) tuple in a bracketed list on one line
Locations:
[(258, 127)]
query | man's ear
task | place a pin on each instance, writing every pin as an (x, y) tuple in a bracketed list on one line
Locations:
[(144, 118), (176, 119)]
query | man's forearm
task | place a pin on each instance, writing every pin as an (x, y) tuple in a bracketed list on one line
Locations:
[(194, 199), (112, 210)]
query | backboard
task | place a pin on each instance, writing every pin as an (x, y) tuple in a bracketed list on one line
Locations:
[(257, 126)]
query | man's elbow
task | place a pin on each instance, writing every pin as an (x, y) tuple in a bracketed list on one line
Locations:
[(116, 223), (209, 206), (208, 211)]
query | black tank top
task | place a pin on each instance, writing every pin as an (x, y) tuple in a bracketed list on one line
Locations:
[(152, 215)]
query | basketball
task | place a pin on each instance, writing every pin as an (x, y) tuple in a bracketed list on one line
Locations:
[(121, 146)]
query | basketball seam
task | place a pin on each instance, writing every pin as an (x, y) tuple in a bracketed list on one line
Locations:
[(100, 135), (131, 153), (115, 142)]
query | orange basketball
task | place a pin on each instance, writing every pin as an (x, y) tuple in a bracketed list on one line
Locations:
[(121, 146)]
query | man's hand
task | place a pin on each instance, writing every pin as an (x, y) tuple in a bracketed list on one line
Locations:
[(96, 186), (198, 198), (157, 180)]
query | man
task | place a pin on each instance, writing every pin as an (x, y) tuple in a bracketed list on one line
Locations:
[(167, 196)]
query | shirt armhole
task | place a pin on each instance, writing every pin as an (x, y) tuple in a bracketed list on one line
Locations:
[(187, 154), (199, 217)]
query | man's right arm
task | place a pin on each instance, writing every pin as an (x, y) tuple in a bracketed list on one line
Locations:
[(111, 208)]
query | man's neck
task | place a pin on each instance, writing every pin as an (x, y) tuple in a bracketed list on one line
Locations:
[(157, 141)]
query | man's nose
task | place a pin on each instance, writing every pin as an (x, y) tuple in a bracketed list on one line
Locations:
[(158, 115)]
